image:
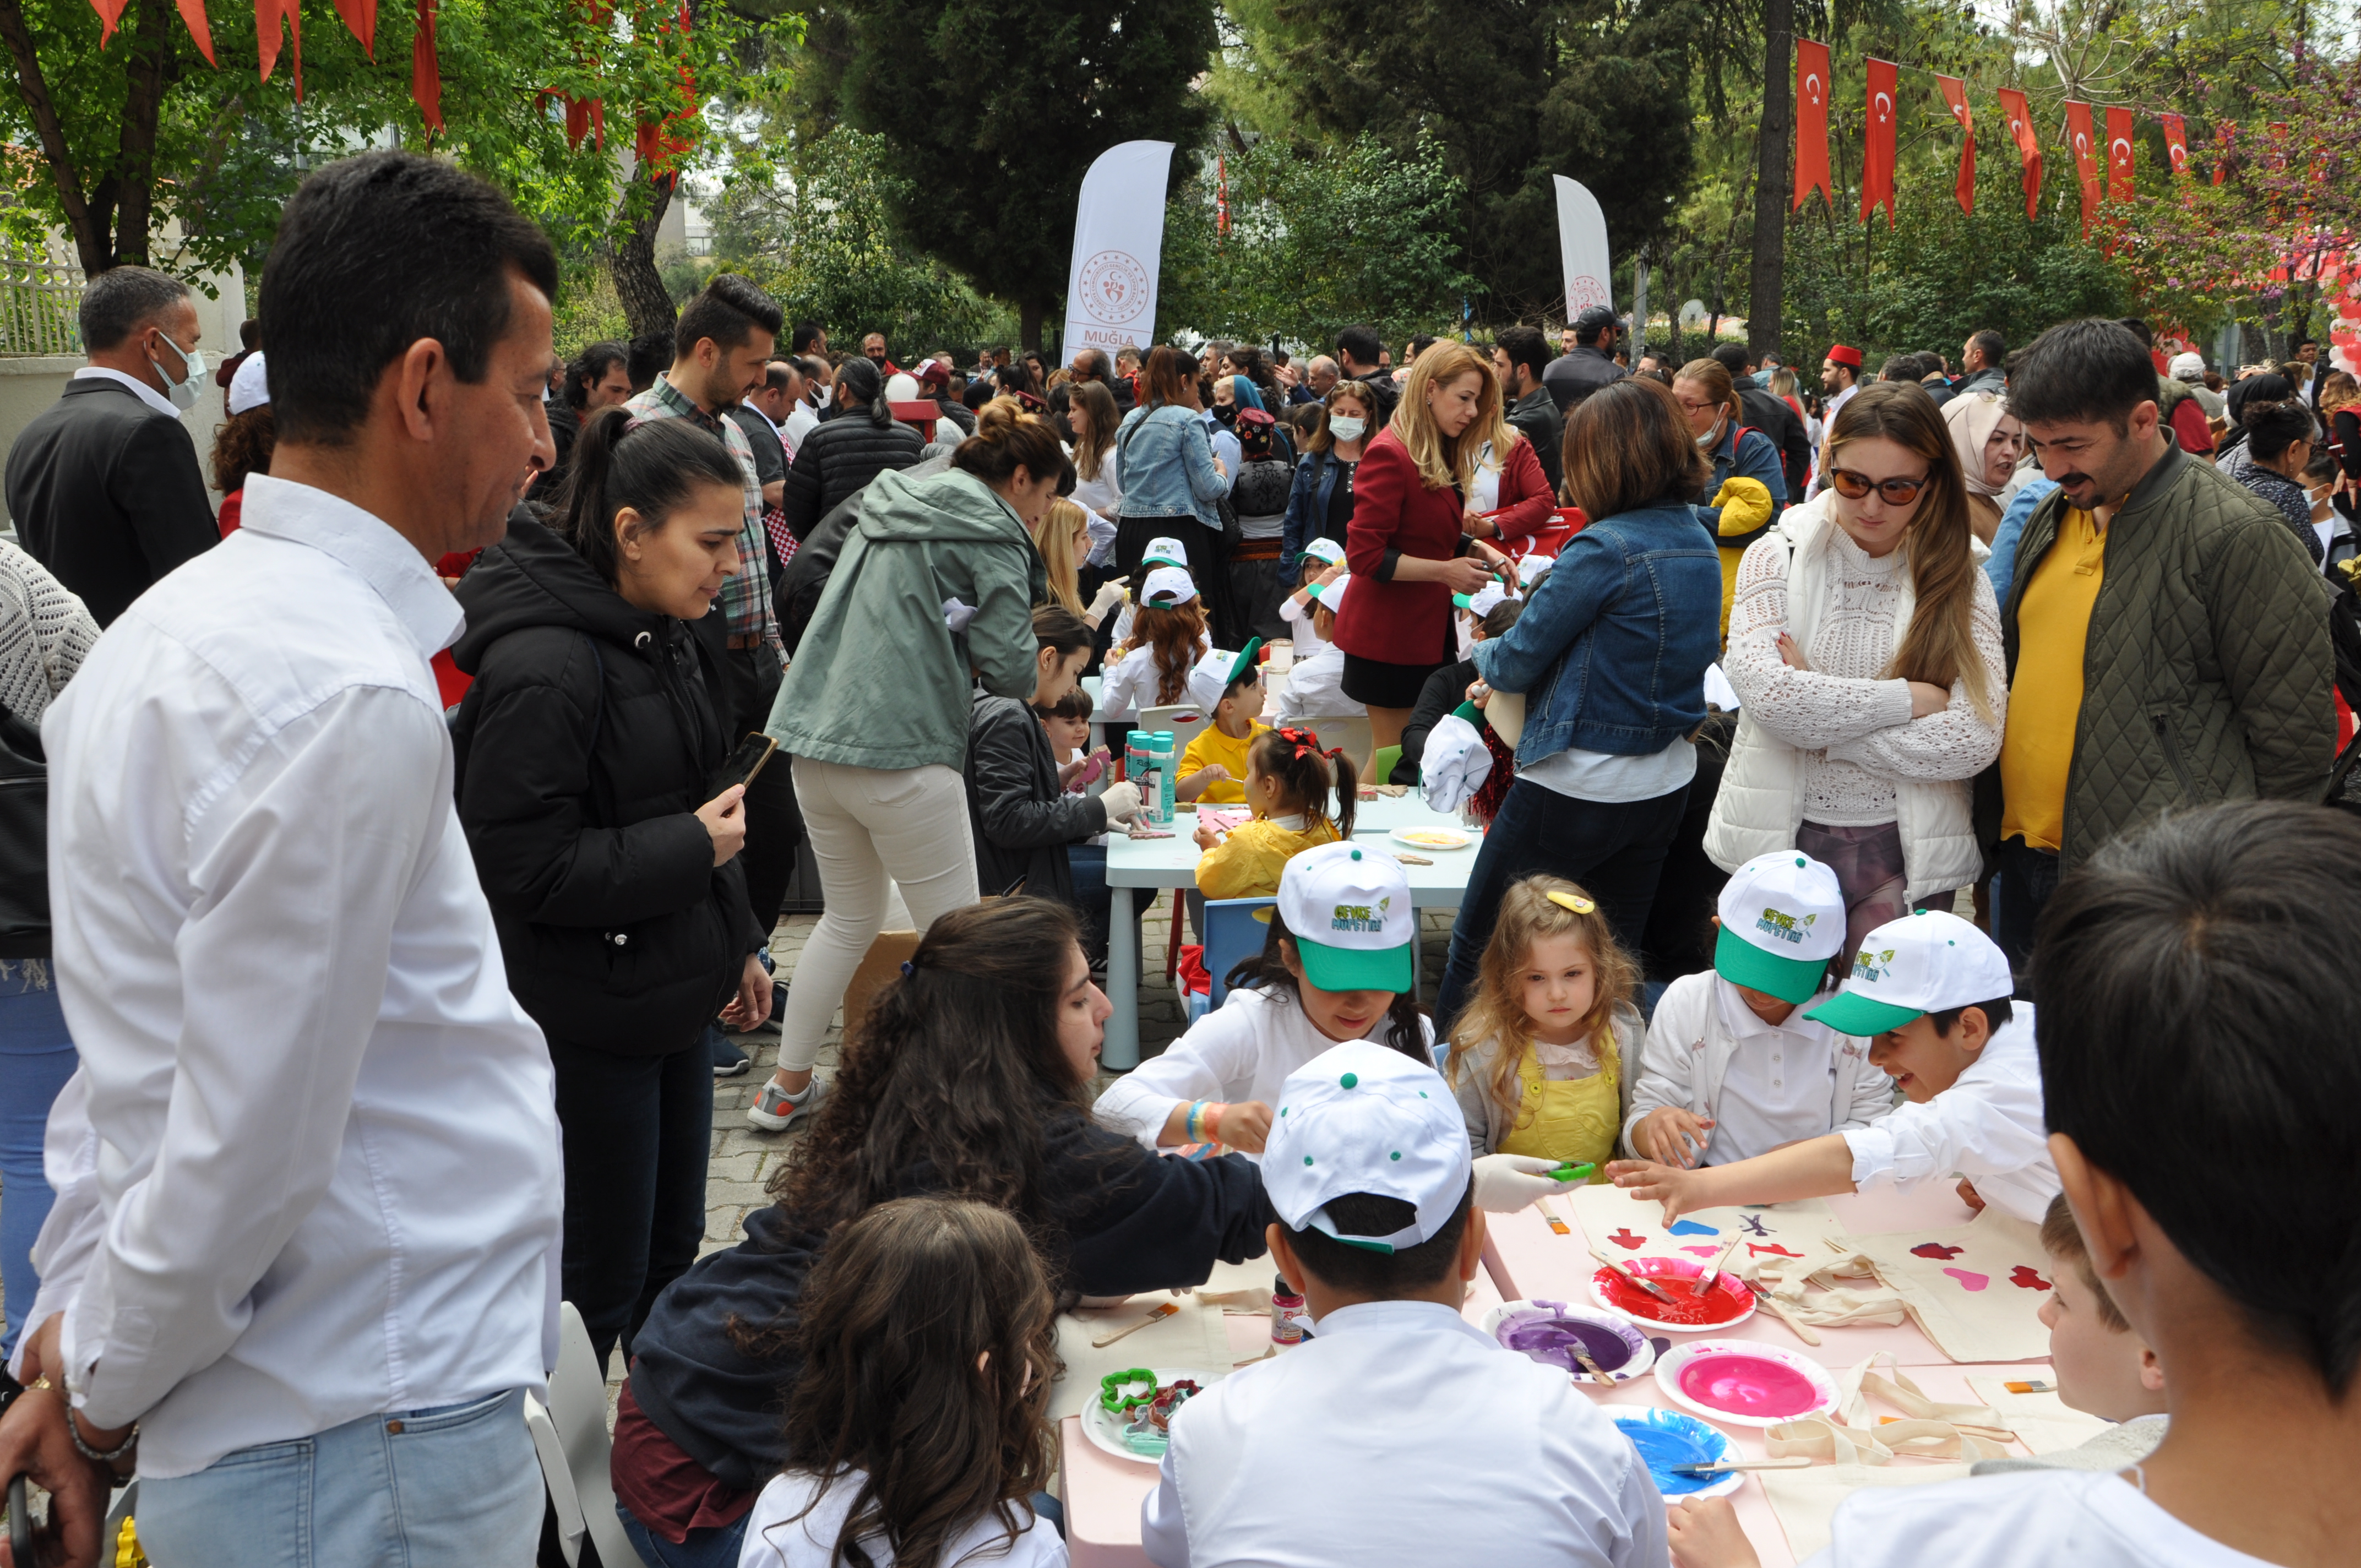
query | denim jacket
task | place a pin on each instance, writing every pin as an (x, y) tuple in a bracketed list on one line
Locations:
[(1613, 648), (1317, 475), (1168, 466)]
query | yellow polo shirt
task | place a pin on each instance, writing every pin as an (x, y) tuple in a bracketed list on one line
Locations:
[(1212, 746), (2045, 700)]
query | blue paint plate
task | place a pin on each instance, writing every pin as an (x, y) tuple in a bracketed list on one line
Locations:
[(1667, 1438)]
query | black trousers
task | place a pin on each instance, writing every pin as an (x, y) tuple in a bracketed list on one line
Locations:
[(638, 1131), (2024, 880), (774, 825)]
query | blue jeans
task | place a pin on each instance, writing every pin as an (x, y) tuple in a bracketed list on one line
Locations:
[(456, 1486), (37, 1057), (2023, 880), (703, 1549)]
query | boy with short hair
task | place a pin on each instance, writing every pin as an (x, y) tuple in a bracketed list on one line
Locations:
[(1730, 1069), (1934, 993), (2184, 1010), (1213, 767), (1315, 687), (1400, 1432)]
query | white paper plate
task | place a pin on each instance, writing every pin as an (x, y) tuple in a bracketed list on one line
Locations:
[(1716, 1445), (1677, 1360), (1431, 838), (1675, 1274), (1106, 1431), (1642, 1358)]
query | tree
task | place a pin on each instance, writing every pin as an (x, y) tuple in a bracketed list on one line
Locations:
[(993, 110)]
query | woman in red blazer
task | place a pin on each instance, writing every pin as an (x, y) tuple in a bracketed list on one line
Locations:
[(1511, 499), (1407, 546)]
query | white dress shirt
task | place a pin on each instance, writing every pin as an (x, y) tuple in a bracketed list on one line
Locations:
[(2038, 1519), (1315, 688), (1987, 1126), (148, 394), (326, 1153), (1401, 1433), (789, 1528), (800, 424)]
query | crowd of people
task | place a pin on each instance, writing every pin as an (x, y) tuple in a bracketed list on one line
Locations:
[(417, 826)]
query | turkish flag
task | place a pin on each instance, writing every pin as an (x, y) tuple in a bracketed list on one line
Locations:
[(2176, 142), (2028, 147), (2080, 135), (1877, 153), (1955, 93), (1812, 122), (425, 72), (2119, 154)]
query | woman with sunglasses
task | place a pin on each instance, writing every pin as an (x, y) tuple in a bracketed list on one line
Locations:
[(1866, 646)]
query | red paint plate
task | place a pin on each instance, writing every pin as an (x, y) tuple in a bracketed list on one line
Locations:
[(1730, 1300)]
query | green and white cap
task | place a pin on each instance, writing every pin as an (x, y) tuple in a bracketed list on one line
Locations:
[(1325, 550), (1783, 919), (1927, 961), (1360, 1118), (1484, 600), (1168, 587), (1331, 594), (1245, 662), (1166, 552), (1349, 911)]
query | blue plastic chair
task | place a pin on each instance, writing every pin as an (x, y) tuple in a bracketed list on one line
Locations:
[(1232, 933)]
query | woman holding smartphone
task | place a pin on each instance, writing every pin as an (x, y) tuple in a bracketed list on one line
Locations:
[(586, 751)]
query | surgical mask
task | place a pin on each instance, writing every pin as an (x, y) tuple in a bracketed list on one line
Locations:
[(819, 398), (184, 393), (1710, 436), (1347, 428)]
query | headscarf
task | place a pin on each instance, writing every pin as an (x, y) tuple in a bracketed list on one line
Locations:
[(1971, 419), (1243, 391)]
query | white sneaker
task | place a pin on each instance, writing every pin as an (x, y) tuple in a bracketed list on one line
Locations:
[(774, 1109)]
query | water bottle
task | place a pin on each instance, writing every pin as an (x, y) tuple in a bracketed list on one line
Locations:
[(1162, 759)]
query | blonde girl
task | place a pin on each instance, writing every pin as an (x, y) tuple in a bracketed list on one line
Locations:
[(1537, 1053), (1063, 537)]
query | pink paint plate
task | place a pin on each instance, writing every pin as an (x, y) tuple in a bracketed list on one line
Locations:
[(1745, 1382)]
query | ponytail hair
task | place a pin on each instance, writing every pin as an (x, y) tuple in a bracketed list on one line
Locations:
[(1006, 438), (860, 378), (649, 466), (1307, 774)]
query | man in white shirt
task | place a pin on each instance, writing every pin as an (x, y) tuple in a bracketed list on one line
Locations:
[(309, 1276), (1400, 1432), (1933, 990)]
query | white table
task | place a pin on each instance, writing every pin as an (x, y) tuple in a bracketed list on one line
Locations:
[(1157, 863)]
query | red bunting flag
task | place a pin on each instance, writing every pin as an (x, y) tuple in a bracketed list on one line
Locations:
[(110, 12), (1220, 195), (1955, 93), (2119, 154), (1812, 122), (425, 72), (1877, 155), (360, 19), (2176, 142), (266, 16), (2028, 147), (2080, 135), (192, 12)]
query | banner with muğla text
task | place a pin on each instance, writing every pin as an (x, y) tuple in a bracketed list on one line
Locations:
[(1582, 243), (1118, 244)]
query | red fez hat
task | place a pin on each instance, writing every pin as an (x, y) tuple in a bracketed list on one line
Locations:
[(1844, 356)]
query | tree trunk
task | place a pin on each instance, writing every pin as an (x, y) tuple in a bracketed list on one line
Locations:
[(647, 303), (92, 239), (1029, 313), (151, 48), (1766, 275)]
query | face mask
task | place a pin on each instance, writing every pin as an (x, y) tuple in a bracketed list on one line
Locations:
[(184, 393), (821, 402), (1226, 412), (1347, 428), (1710, 436)]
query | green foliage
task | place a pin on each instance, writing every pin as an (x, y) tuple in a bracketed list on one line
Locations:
[(1320, 238)]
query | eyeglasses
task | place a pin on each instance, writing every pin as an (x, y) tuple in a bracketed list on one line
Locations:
[(1897, 491), (1696, 409)]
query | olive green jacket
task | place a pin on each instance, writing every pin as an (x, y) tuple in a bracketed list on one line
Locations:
[(2206, 674)]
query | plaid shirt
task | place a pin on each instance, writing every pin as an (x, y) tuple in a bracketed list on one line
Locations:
[(745, 597)]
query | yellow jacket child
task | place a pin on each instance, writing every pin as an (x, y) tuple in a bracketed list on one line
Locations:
[(1287, 782)]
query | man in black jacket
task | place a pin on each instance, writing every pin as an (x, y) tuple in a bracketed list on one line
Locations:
[(1358, 357), (1591, 364), (1521, 358), (104, 485), (1771, 416)]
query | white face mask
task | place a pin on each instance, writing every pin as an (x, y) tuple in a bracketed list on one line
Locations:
[(184, 393), (819, 400), (1710, 436), (1347, 428)]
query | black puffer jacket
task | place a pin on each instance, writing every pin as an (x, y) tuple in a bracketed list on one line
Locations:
[(1022, 820), (584, 750), (806, 578), (839, 457)]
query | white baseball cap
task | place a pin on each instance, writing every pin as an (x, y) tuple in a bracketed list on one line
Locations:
[(1360, 1118), (2187, 368), (1484, 600), (1349, 911), (1166, 552), (249, 384), (1533, 568), (1927, 961), (1330, 594), (1209, 678), (1783, 919), (1325, 549), (1167, 587)]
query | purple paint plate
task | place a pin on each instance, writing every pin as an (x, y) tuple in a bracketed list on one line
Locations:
[(1547, 1332)]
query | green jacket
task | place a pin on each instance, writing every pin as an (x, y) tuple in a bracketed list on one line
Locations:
[(2206, 674), (879, 681)]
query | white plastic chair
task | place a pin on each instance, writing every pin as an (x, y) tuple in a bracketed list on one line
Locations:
[(570, 1435), (1186, 721), (1347, 732)]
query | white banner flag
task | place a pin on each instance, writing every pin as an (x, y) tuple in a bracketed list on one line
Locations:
[(1582, 242), (1118, 244)]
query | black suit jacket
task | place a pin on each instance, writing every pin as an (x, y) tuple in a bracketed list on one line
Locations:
[(1770, 414), (106, 493)]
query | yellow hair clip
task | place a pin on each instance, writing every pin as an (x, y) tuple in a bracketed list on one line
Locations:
[(1568, 901)]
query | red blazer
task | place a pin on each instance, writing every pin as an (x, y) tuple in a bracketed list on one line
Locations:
[(1395, 513), (1526, 505)]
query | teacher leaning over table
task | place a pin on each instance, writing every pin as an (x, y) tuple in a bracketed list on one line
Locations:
[(1407, 546)]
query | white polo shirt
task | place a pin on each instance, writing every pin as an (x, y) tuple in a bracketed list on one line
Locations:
[(1987, 1126), (2038, 1519)]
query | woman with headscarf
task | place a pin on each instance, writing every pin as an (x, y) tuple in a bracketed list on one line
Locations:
[(1989, 439)]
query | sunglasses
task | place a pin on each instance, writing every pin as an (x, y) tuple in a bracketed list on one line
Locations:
[(1894, 492)]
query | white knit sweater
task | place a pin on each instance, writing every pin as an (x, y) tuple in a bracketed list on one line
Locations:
[(44, 634), (1851, 723)]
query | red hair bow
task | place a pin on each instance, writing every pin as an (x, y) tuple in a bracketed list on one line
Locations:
[(1307, 743)]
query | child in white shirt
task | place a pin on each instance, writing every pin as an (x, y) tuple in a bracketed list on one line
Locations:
[(1315, 687), (1934, 991), (1151, 664), (1321, 559), (1731, 1069)]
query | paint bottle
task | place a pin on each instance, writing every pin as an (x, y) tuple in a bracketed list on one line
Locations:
[(1161, 758), (1291, 1320), (1135, 755)]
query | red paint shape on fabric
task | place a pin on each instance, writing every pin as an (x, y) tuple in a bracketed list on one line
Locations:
[(1967, 1279), (1627, 1240), (2024, 1278), (1774, 1249), (1750, 1386), (1936, 1250)]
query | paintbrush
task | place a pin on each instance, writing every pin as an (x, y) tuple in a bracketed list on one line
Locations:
[(1588, 1365), (1724, 1466), (1555, 1224), (1168, 1309), (1705, 1281), (1642, 1280)]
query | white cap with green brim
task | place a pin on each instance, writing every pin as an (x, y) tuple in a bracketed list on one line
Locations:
[(1783, 919), (1167, 552), (1349, 911), (1166, 588), (1484, 600), (1360, 1118), (1330, 594), (1326, 550), (1927, 961)]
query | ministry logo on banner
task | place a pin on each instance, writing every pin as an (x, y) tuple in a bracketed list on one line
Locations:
[(1118, 245)]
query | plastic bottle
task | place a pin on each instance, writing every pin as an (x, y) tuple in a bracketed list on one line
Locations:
[(1161, 758), (1134, 755), (1289, 1318)]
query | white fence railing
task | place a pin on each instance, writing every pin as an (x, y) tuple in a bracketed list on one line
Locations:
[(40, 294)]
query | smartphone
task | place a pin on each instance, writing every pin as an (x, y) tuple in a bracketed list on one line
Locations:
[(22, 1542), (742, 764)]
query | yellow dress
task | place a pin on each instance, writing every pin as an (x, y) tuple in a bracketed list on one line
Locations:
[(1572, 1119), (1246, 863)]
